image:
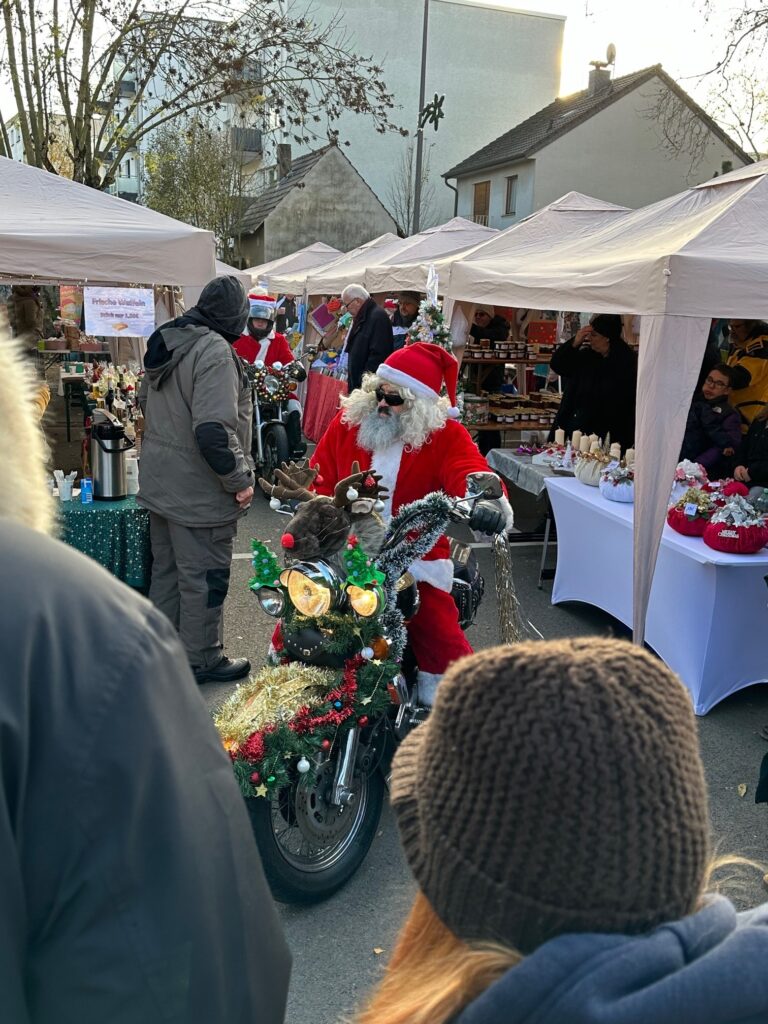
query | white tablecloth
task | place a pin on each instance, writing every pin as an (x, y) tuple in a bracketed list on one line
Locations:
[(708, 613)]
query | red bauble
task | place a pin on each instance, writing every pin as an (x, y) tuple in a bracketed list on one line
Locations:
[(325, 745), (363, 721), (255, 778)]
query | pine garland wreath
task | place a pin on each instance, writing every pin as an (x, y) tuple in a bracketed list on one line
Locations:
[(266, 568), (430, 326)]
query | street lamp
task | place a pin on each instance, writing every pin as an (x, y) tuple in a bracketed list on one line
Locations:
[(420, 130)]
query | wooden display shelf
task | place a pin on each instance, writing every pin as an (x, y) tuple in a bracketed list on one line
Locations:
[(508, 426), (506, 362)]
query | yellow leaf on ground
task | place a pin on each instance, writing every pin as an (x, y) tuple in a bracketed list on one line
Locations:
[(742, 788), (378, 950)]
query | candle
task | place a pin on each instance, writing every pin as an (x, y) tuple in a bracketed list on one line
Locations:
[(593, 438), (615, 451), (629, 458), (575, 440), (560, 436), (584, 443), (595, 446)]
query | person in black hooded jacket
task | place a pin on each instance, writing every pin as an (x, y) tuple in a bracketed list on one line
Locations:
[(370, 339), (196, 475), (599, 372)]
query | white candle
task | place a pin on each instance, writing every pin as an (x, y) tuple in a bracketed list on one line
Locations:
[(595, 446), (575, 440), (559, 436), (593, 438), (584, 444), (629, 458), (615, 451)]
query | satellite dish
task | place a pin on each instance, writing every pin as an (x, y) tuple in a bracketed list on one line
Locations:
[(610, 54)]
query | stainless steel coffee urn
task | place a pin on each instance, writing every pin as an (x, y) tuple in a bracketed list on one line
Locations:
[(108, 447)]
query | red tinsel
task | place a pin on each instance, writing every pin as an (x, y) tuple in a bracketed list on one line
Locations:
[(303, 721), (253, 748)]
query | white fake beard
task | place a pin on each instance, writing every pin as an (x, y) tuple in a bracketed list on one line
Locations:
[(377, 431)]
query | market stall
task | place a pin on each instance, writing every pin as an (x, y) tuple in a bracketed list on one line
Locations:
[(302, 261), (707, 611), (677, 263)]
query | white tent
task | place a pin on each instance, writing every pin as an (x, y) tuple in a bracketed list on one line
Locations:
[(677, 263), (55, 230), (224, 270), (569, 213), (332, 276), (316, 255), (442, 242)]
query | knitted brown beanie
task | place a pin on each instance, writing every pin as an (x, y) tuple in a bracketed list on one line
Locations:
[(557, 787)]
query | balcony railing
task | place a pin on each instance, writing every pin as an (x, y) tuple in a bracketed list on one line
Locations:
[(480, 218), (246, 140)]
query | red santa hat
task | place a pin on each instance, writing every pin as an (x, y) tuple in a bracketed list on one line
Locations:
[(424, 368)]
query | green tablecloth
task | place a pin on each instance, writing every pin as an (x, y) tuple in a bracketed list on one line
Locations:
[(114, 533)]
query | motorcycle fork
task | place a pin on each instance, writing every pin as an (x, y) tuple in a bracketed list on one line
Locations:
[(257, 416), (342, 794)]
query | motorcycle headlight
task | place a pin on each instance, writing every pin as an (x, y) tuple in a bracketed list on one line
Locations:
[(365, 601), (271, 384), (312, 587), (271, 601)]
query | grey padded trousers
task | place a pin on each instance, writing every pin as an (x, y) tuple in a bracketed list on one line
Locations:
[(190, 580)]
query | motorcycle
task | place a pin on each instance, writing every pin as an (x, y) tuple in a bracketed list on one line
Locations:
[(276, 429), (341, 612)]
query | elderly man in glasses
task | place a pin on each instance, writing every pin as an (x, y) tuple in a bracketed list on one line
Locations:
[(398, 425), (369, 340)]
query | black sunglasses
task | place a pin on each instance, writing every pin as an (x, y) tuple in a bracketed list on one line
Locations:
[(382, 395)]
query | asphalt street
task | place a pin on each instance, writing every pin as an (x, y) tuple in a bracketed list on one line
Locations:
[(334, 944)]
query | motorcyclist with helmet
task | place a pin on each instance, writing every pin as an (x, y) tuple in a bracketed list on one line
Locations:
[(263, 344)]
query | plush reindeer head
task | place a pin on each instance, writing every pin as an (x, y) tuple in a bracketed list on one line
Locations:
[(320, 526)]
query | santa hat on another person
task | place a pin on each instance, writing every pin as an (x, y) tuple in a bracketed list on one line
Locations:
[(261, 307), (424, 368)]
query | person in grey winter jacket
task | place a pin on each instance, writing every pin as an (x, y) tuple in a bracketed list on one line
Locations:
[(130, 885), (196, 474), (553, 810)]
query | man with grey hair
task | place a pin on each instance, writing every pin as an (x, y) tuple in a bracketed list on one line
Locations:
[(370, 338)]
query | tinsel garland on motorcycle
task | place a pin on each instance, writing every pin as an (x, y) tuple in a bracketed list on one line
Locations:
[(280, 389)]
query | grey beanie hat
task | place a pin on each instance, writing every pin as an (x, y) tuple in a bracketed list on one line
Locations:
[(557, 787)]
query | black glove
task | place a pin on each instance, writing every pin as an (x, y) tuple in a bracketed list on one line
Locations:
[(487, 518)]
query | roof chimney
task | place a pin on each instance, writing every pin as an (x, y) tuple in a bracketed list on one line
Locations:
[(599, 78), (283, 159)]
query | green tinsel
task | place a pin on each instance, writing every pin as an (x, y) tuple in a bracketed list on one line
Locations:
[(359, 567), (266, 568)]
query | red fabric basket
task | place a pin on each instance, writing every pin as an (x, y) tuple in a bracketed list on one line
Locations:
[(681, 523), (736, 540)]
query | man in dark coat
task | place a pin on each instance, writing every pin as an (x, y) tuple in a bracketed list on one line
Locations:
[(405, 316), (130, 884), (196, 474), (599, 372), (713, 430), (370, 338)]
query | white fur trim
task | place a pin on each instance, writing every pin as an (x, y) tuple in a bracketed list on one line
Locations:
[(386, 462), (509, 515), (438, 572), (294, 405), (454, 412), (263, 349), (404, 380), (427, 683)]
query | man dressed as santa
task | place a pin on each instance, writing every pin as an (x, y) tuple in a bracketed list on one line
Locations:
[(263, 344), (398, 425)]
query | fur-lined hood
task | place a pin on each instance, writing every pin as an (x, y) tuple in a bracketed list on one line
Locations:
[(24, 496)]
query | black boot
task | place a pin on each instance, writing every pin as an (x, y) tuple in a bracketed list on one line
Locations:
[(293, 430), (228, 670)]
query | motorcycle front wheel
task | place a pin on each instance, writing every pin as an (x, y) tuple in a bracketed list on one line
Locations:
[(276, 450), (309, 847)]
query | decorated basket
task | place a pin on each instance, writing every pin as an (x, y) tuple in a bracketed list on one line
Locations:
[(736, 528), (618, 484), (687, 474), (589, 467), (691, 515)]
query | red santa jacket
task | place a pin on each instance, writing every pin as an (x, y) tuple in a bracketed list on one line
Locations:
[(270, 350), (441, 464)]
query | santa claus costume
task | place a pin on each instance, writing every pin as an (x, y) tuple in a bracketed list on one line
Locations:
[(441, 463)]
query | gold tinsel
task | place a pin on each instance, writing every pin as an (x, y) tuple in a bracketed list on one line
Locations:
[(274, 694), (513, 627)]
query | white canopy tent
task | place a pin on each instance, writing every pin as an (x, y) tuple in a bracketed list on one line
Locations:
[(571, 212), (436, 244), (303, 260), (678, 263), (224, 270), (56, 231), (324, 279)]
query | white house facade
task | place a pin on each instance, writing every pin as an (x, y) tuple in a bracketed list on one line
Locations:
[(493, 64), (606, 141)]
